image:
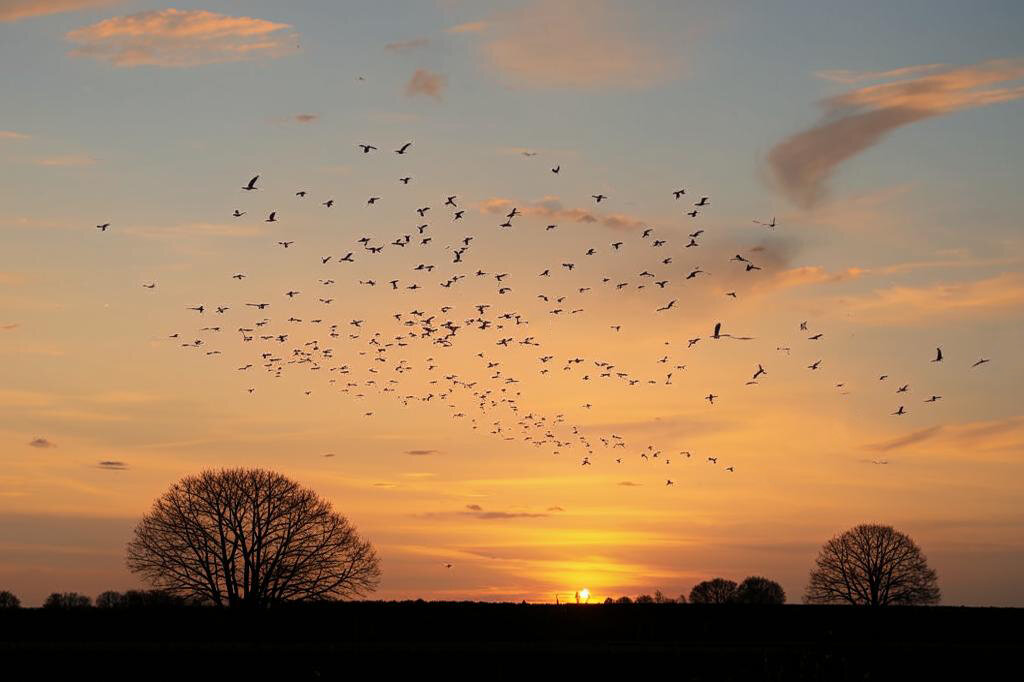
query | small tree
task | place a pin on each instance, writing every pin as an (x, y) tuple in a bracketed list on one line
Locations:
[(660, 598), (8, 600), (681, 599), (758, 590), (623, 600), (872, 565), (250, 537), (110, 600), (644, 599), (716, 591), (67, 600)]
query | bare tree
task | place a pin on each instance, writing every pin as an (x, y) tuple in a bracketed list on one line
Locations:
[(872, 565), (759, 590), (67, 600), (716, 591), (8, 600), (250, 537)]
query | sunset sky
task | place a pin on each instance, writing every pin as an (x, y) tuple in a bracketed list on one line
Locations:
[(886, 140)]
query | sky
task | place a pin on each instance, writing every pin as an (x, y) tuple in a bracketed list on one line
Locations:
[(885, 141)]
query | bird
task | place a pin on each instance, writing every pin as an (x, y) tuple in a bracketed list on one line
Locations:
[(982, 361), (938, 355), (678, 193), (272, 218), (556, 169), (759, 372), (286, 244), (252, 184), (366, 147), (103, 227), (711, 398), (238, 214), (899, 412), (703, 202), (598, 197), (667, 305), (404, 181), (403, 148), (933, 399), (814, 365)]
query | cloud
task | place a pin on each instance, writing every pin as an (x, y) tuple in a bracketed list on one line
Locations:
[(66, 161), (306, 118), (802, 164), (474, 507), (468, 27), (904, 441), (180, 38), (556, 509), (551, 208), (848, 77), (424, 82), (422, 452), (478, 512), (41, 443), (13, 10), (907, 304), (583, 44), (405, 45), (11, 135), (629, 484), (112, 465), (809, 274), (9, 326)]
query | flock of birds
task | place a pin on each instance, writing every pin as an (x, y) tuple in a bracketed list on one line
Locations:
[(377, 358)]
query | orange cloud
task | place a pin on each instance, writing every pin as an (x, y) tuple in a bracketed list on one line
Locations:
[(551, 208), (11, 135), (802, 164), (179, 38), (576, 44), (468, 27), (810, 274), (848, 77), (424, 82), (13, 10), (905, 304)]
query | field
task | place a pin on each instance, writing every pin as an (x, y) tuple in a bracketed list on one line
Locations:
[(694, 642)]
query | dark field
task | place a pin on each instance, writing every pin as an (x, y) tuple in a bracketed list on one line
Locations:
[(693, 642)]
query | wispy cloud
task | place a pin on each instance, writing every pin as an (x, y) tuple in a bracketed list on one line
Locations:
[(809, 274), (406, 45), (478, 512), (904, 441), (802, 164), (424, 82), (468, 27), (12, 135), (112, 465), (850, 77), (910, 305), (584, 44), (180, 38), (420, 453), (13, 10), (551, 208), (66, 161), (41, 443), (306, 118)]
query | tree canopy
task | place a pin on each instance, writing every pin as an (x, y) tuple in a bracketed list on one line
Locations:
[(250, 537)]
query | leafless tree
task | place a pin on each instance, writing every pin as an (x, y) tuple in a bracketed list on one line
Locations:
[(872, 565), (715, 591), (250, 537)]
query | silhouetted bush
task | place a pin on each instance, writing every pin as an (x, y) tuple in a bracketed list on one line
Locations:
[(716, 591), (623, 600), (644, 599), (758, 590), (67, 600), (660, 598), (8, 600)]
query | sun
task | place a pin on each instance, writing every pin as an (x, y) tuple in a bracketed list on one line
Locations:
[(585, 594)]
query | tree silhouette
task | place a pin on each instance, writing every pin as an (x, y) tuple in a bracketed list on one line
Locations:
[(8, 600), (758, 590), (716, 591), (872, 565), (250, 537), (644, 599), (67, 600)]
